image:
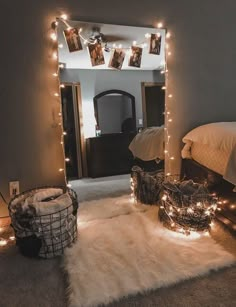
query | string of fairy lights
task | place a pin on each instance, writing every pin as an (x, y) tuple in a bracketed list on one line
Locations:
[(54, 37)]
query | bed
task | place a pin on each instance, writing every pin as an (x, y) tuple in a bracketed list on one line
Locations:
[(212, 149), (147, 148)]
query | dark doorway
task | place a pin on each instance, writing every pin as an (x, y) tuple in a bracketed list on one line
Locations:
[(71, 127), (153, 104)]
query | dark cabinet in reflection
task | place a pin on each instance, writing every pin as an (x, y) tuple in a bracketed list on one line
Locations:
[(109, 155)]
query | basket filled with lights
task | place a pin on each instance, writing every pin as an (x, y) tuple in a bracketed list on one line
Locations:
[(146, 186), (44, 220), (186, 206)]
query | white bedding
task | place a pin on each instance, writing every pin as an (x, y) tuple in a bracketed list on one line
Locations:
[(218, 136), (148, 144)]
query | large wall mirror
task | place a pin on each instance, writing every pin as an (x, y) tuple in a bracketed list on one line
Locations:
[(115, 76)]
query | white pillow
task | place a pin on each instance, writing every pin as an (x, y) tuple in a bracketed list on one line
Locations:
[(220, 135)]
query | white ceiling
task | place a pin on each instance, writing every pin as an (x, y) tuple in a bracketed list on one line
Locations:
[(117, 34)]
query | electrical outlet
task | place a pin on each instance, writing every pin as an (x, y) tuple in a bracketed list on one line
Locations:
[(14, 188)]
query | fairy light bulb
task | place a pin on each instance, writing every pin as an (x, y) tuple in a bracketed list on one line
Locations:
[(61, 169), (64, 17), (168, 35), (80, 30), (62, 85), (55, 74), (172, 158), (60, 46), (54, 55), (134, 43), (3, 242), (164, 197), (160, 25), (61, 65), (147, 35), (64, 133), (163, 88), (53, 36), (69, 185), (56, 94), (170, 95), (67, 159)]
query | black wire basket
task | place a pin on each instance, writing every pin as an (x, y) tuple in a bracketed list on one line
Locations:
[(45, 235), (186, 205), (146, 185)]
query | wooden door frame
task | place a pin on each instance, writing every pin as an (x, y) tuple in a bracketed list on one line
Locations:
[(143, 86), (79, 128)]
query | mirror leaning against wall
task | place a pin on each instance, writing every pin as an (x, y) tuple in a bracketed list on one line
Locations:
[(112, 97)]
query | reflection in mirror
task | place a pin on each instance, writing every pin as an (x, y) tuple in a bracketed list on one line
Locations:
[(116, 99), (115, 112)]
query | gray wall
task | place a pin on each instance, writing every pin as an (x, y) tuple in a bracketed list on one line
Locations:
[(201, 74), (94, 82)]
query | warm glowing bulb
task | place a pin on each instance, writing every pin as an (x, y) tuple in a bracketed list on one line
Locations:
[(64, 133), (164, 197), (64, 16), (170, 120), (61, 65), (160, 25), (147, 35), (168, 35), (53, 36), (56, 94), (134, 43), (69, 185), (163, 88), (61, 169), (167, 46), (80, 30), (172, 158), (54, 55), (85, 42), (168, 174), (166, 151), (12, 238), (170, 95), (59, 113), (172, 224), (67, 159), (55, 74), (62, 85), (158, 34), (169, 53), (162, 71), (60, 45), (3, 242)]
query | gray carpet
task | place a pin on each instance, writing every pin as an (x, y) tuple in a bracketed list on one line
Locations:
[(28, 282)]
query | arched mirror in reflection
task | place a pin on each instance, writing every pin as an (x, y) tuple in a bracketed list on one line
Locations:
[(115, 112), (119, 94)]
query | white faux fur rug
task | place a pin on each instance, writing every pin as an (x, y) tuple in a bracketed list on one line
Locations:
[(123, 249)]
